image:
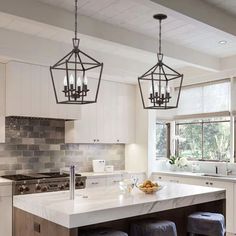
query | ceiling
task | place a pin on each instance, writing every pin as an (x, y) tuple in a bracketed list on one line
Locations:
[(124, 33), (136, 15), (226, 5)]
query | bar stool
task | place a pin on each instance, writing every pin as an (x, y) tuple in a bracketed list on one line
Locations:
[(103, 232), (153, 228), (206, 223)]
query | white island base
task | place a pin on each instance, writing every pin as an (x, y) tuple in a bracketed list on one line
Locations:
[(52, 214)]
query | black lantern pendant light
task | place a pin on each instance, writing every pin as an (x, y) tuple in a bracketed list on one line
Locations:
[(160, 86), (76, 77)]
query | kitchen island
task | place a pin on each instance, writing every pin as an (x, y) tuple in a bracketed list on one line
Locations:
[(51, 214)]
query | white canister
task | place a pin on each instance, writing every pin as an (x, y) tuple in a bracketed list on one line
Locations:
[(99, 165), (109, 168)]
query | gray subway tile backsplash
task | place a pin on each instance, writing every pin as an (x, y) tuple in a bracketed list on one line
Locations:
[(38, 145)]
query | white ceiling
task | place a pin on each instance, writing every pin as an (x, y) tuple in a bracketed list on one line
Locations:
[(226, 5), (42, 30), (136, 15)]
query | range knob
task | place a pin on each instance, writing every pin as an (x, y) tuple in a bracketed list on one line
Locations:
[(67, 185), (21, 188), (62, 187), (79, 184), (44, 189), (38, 187), (27, 189)]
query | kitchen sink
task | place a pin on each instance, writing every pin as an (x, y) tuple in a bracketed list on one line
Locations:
[(220, 176)]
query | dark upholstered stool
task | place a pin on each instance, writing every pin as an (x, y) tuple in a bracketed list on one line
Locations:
[(103, 232), (153, 228), (206, 223)]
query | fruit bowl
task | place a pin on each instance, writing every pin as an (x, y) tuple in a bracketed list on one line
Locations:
[(149, 190), (149, 187)]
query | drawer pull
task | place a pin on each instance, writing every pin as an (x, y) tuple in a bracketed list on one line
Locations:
[(211, 183), (116, 181), (94, 183), (207, 183), (159, 177), (37, 227)]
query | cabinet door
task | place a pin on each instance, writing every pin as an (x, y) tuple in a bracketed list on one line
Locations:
[(125, 114), (2, 102), (2, 129), (166, 178), (35, 91), (83, 130), (17, 89), (95, 182), (107, 121), (29, 92), (6, 216), (113, 180)]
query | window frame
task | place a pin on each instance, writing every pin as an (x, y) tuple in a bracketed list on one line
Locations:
[(168, 139), (202, 122)]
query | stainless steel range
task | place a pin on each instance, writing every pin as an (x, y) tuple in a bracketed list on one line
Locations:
[(44, 182)]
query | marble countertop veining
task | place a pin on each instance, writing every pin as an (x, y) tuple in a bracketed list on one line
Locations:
[(229, 178), (96, 205)]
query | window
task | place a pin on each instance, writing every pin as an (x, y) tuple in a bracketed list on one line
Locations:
[(207, 139), (207, 98), (162, 140)]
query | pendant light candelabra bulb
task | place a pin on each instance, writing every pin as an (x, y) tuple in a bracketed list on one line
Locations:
[(85, 80), (72, 80)]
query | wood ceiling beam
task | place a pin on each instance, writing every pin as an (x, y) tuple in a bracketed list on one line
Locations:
[(203, 12), (53, 16)]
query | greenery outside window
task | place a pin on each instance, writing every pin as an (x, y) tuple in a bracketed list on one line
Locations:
[(204, 139), (162, 140)]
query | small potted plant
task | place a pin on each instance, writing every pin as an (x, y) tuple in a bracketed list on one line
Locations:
[(176, 162)]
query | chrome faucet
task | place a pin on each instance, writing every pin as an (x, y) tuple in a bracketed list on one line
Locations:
[(72, 181)]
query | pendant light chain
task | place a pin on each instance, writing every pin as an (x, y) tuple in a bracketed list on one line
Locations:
[(76, 18), (159, 36)]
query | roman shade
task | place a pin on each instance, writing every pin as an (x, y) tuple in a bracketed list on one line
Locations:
[(204, 100)]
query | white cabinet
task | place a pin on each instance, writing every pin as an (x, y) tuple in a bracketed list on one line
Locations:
[(29, 93), (167, 178), (110, 120), (95, 182), (2, 102), (5, 210), (114, 180)]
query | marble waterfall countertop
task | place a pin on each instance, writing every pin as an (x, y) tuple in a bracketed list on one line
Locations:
[(4, 181), (97, 205)]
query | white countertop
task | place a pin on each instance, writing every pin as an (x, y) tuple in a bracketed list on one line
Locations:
[(5, 181), (107, 204), (229, 178)]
